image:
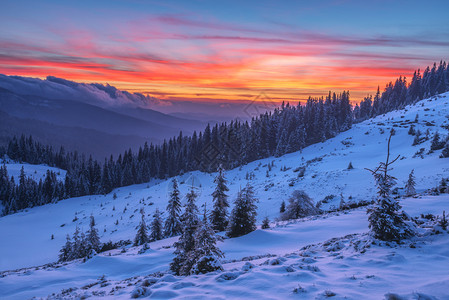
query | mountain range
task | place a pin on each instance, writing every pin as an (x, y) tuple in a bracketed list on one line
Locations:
[(91, 118)]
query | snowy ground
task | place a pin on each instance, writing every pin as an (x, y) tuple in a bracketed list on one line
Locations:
[(28, 233), (278, 265)]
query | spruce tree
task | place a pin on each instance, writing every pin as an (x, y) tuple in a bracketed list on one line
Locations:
[(265, 223), (443, 222), (156, 226), (385, 220), (342, 204), (142, 235), (93, 239), (77, 246), (243, 215), (172, 223), (417, 139), (65, 253), (282, 208), (83, 249), (219, 214), (445, 152), (436, 143), (410, 185), (205, 255), (186, 243), (300, 205)]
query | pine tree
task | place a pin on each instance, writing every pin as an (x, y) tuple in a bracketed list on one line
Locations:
[(186, 243), (300, 205), (65, 253), (156, 226), (385, 220), (219, 214), (172, 223), (445, 152), (410, 185), (443, 222), (243, 215), (142, 235), (342, 204), (282, 208), (417, 139), (83, 248), (265, 223), (93, 239), (205, 255), (77, 246), (350, 166), (436, 144)]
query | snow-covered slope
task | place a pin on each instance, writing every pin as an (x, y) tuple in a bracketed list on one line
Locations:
[(36, 172), (28, 233), (274, 263)]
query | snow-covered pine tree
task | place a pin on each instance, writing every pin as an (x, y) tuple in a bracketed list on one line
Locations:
[(186, 243), (442, 187), (410, 185), (83, 249), (300, 205), (77, 247), (243, 215), (436, 143), (342, 204), (156, 226), (282, 208), (65, 253), (142, 235), (417, 139), (282, 144), (172, 225), (385, 220), (443, 222), (93, 239), (205, 255), (445, 152), (219, 214), (265, 223)]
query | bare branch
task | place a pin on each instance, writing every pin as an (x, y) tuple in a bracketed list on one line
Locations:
[(394, 160)]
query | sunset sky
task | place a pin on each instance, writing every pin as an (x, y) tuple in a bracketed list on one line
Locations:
[(224, 50)]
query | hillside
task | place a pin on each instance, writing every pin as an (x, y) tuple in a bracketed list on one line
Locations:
[(326, 173)]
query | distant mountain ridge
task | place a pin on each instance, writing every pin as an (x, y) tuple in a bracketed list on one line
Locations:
[(49, 109)]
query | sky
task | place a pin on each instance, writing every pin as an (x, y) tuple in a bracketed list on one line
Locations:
[(222, 51)]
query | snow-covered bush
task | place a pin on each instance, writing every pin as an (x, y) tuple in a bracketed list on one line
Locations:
[(140, 292), (228, 276)]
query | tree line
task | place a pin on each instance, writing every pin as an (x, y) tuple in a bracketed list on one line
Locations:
[(287, 129)]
